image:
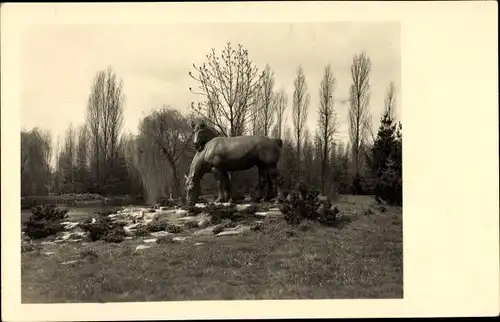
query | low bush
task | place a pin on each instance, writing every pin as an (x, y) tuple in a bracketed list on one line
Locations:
[(103, 228), (164, 201), (306, 204), (45, 220), (174, 229)]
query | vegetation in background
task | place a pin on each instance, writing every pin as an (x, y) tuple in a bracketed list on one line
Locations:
[(97, 157)]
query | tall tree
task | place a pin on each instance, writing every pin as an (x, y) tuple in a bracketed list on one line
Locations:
[(82, 159), (390, 101), (230, 85), (267, 99), (301, 99), (67, 159), (327, 122), (385, 159), (281, 102), (359, 114), (104, 121), (36, 151)]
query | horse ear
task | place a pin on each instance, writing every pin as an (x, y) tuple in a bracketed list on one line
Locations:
[(202, 124), (192, 124)]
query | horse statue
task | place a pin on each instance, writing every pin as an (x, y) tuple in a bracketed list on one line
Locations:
[(219, 155)]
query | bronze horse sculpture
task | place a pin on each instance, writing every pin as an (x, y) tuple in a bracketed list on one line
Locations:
[(220, 155)]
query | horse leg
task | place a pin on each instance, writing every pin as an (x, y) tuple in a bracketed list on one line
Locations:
[(220, 184), (278, 180), (270, 186), (260, 185), (226, 187)]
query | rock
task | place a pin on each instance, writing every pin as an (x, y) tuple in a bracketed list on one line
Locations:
[(200, 205), (131, 227), (238, 230), (208, 231), (49, 253), (71, 262), (242, 228), (142, 247), (228, 233), (68, 225), (262, 213), (128, 238), (181, 212), (275, 209), (74, 235), (188, 218), (243, 207), (198, 244), (180, 239), (163, 208), (152, 240), (161, 233), (204, 223), (225, 204), (47, 243)]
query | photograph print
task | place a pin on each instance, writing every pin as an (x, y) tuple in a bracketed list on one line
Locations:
[(211, 161)]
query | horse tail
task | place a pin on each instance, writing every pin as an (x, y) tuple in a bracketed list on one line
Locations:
[(279, 142)]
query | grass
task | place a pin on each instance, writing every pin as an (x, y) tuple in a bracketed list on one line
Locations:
[(360, 259)]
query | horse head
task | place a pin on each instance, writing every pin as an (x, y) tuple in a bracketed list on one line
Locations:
[(202, 133), (192, 189)]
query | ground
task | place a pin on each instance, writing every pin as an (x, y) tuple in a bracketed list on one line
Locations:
[(361, 259)]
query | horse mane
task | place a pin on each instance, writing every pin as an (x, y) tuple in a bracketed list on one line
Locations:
[(214, 133)]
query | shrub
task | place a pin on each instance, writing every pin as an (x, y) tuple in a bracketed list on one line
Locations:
[(48, 212), (220, 213), (142, 230), (191, 224), (26, 248), (45, 220), (307, 204), (104, 229), (173, 229), (157, 225), (164, 201)]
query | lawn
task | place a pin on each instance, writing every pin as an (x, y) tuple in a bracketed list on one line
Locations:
[(360, 259)]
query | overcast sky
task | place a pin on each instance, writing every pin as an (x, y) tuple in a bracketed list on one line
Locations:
[(60, 62)]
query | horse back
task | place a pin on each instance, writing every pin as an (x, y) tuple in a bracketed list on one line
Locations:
[(243, 151)]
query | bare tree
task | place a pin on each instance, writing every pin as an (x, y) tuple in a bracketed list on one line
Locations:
[(308, 157), (267, 99), (67, 158), (327, 122), (359, 114), (300, 110), (104, 121), (281, 102), (256, 127), (390, 101), (82, 158), (230, 85)]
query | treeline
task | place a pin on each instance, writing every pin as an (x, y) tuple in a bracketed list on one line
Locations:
[(237, 98)]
